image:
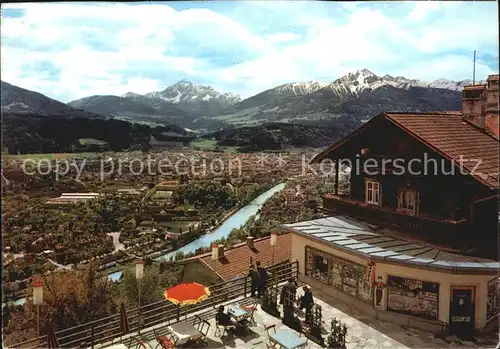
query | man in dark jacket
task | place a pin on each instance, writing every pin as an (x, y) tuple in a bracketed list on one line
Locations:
[(288, 298), (222, 318), (255, 280), (306, 301), (263, 279)]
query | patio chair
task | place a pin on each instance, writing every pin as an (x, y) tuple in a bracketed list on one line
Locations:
[(203, 326), (251, 308), (271, 344), (306, 332), (136, 343), (166, 341), (270, 327), (221, 330)]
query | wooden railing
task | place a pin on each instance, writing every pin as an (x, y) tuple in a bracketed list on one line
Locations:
[(386, 217), (106, 329)]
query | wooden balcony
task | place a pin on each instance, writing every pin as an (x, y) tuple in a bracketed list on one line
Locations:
[(437, 228)]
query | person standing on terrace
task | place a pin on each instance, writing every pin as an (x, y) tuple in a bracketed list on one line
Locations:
[(255, 280), (263, 279)]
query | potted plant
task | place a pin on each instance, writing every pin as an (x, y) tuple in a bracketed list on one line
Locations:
[(314, 323), (337, 336)]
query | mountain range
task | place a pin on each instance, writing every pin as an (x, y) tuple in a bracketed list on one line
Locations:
[(344, 104), (358, 95), (17, 100)]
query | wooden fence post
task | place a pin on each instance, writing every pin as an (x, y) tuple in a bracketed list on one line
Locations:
[(245, 291), (297, 266)]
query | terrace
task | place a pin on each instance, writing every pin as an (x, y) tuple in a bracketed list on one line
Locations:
[(153, 319)]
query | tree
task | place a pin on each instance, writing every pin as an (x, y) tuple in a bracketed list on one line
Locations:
[(153, 285), (70, 298)]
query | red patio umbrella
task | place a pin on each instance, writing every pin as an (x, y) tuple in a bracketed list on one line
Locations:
[(187, 293), (123, 320), (52, 342)]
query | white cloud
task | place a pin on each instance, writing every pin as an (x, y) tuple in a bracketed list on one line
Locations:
[(446, 66), (70, 51), (422, 9), (282, 37)]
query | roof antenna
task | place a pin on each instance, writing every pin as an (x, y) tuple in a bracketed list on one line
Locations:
[(474, 70)]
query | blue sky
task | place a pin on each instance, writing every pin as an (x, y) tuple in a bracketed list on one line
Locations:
[(72, 50)]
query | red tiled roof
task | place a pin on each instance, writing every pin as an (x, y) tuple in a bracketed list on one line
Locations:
[(237, 260), (475, 87), (452, 138), (493, 77), (448, 135)]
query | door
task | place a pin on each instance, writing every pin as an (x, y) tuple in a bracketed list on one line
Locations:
[(462, 310)]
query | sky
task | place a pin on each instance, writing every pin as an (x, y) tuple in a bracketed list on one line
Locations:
[(69, 51)]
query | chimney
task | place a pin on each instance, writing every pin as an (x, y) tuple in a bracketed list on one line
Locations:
[(474, 105), (215, 252), (250, 241), (220, 252)]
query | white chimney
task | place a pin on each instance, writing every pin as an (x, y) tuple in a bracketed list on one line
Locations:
[(215, 252), (220, 252), (274, 238), (250, 241)]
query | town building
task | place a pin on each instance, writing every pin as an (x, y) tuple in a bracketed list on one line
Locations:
[(70, 199), (414, 239), (129, 192), (172, 185)]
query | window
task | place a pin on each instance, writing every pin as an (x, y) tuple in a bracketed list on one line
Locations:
[(346, 276), (372, 193), (407, 200), (321, 265)]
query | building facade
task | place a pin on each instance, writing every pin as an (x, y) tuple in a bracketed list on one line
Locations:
[(414, 239), (412, 284)]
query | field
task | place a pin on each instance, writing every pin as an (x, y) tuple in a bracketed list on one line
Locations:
[(161, 194), (66, 155), (49, 156), (174, 226), (209, 144), (90, 141)]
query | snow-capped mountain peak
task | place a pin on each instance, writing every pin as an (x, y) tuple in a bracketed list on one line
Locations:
[(301, 88), (186, 90), (355, 83), (195, 98), (132, 95), (183, 84)]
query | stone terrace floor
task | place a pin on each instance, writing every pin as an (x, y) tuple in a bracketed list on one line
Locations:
[(363, 331)]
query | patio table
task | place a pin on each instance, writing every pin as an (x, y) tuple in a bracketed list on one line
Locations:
[(237, 312), (118, 346), (240, 315), (185, 332), (288, 339)]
